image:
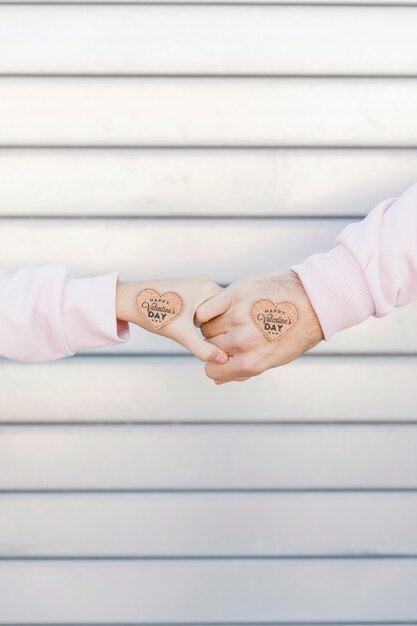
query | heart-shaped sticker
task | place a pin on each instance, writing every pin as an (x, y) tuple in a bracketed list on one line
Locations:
[(274, 320), (159, 309)]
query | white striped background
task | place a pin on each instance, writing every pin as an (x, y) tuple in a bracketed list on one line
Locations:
[(232, 138)]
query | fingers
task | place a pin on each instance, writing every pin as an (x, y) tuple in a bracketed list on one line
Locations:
[(239, 367), (224, 373), (237, 340), (202, 349), (236, 380), (213, 307), (216, 326), (224, 342)]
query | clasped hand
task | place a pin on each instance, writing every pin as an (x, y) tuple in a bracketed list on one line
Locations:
[(251, 326)]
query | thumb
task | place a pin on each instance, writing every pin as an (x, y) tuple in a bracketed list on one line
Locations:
[(212, 307), (203, 350)]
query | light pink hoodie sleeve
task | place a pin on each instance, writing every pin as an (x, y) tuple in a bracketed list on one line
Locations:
[(372, 269), (46, 314)]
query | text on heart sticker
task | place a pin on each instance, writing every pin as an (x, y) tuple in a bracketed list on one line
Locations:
[(274, 320), (159, 309)]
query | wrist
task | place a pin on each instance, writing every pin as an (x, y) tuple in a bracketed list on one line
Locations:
[(126, 302), (337, 289), (306, 307), (296, 292)]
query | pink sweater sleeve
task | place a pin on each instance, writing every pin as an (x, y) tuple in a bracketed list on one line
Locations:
[(45, 314), (372, 269)]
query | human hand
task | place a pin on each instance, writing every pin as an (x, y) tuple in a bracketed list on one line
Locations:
[(167, 308), (259, 337)]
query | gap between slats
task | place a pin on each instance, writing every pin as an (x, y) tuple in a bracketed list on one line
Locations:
[(240, 623)]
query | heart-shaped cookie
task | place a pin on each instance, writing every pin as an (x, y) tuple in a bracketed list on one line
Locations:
[(159, 309), (274, 320)]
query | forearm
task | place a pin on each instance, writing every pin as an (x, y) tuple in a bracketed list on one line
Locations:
[(46, 314), (372, 269)]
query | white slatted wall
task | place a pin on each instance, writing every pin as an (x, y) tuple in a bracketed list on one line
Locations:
[(247, 135)]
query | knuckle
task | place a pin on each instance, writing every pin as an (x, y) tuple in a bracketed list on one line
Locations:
[(235, 319), (238, 315), (234, 345)]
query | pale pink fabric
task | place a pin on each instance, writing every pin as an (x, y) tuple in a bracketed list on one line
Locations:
[(46, 314), (372, 269)]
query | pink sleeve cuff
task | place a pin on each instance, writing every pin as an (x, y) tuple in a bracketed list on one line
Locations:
[(337, 289), (89, 313)]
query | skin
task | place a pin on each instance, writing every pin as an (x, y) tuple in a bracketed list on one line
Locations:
[(226, 322), (193, 292)]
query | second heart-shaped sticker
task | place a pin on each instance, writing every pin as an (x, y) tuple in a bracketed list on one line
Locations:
[(274, 320), (159, 309)]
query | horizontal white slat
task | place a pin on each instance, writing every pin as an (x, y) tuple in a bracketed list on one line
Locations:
[(208, 40), (198, 111), (208, 525), (141, 249), (154, 389), (201, 182), (225, 249), (208, 591), (392, 334), (208, 457)]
